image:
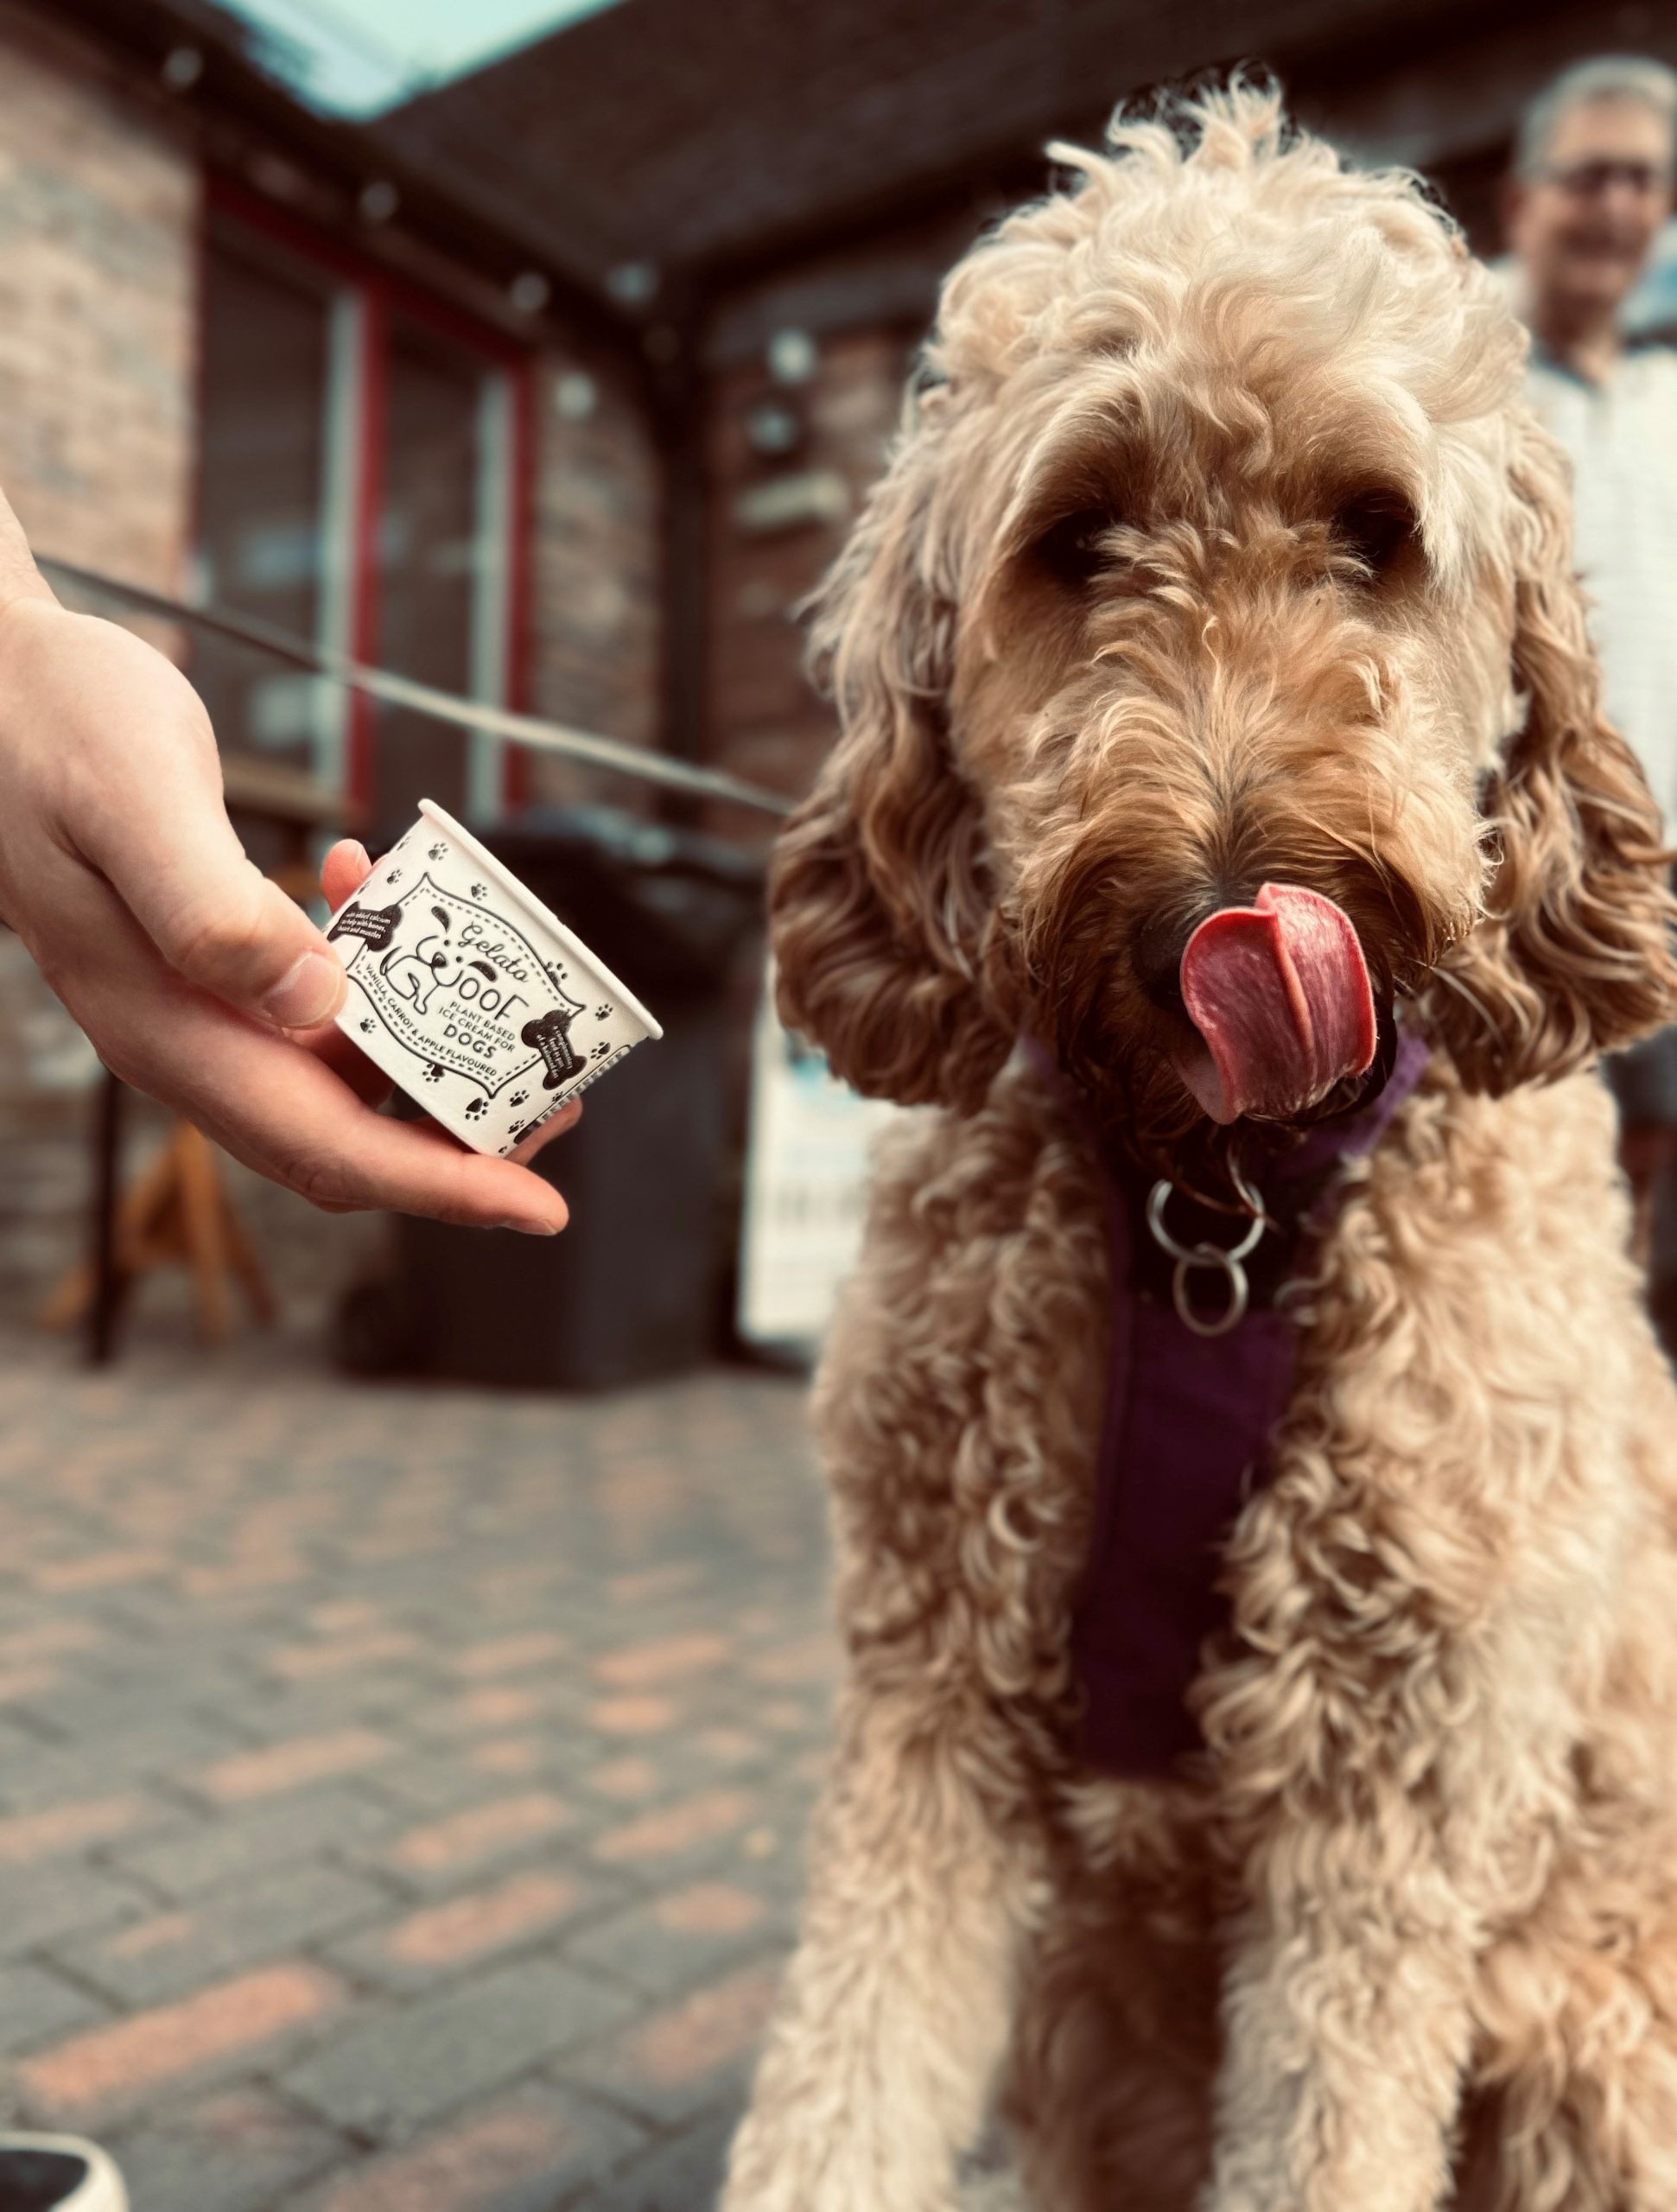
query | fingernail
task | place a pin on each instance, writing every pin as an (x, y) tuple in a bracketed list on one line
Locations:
[(527, 1228), (309, 992)]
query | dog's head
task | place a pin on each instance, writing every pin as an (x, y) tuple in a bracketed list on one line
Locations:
[(437, 953), (1220, 571)]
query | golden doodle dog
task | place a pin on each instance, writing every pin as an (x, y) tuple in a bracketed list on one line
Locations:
[(1224, 842)]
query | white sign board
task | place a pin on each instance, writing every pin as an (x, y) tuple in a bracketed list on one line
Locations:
[(806, 1187)]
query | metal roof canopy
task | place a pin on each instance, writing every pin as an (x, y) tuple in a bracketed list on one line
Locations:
[(703, 144), (647, 156)]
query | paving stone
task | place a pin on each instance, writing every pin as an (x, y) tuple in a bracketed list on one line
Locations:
[(443, 1853), (509, 1755), (509, 1654), (319, 1705), (516, 1912), (206, 1854), (49, 1639), (40, 1904), (633, 1715), (56, 1831), (675, 1834), (664, 1941), (321, 1700), (426, 1781), (491, 1705), (37, 2005), (228, 2024), (628, 1780), (526, 2152), (240, 2150), (664, 1659), (396, 2068), (293, 1763), (354, 1653), (92, 1766), (688, 2055), (684, 2174), (269, 1914)]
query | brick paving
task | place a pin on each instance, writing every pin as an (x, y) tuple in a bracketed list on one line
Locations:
[(401, 1790)]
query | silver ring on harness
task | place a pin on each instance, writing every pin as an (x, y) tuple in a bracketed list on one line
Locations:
[(1190, 1257)]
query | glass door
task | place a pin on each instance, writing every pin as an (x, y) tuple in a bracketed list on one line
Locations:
[(278, 345), (441, 584), (358, 456)]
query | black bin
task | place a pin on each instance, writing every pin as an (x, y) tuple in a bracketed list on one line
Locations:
[(633, 1289)]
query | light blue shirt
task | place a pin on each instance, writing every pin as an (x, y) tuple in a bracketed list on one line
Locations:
[(1621, 437)]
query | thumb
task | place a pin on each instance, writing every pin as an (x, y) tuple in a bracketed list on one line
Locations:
[(240, 937), (214, 916)]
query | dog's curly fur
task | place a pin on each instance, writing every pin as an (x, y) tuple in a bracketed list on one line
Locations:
[(1219, 547)]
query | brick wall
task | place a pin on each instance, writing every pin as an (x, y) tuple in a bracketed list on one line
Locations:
[(776, 523), (99, 211), (594, 585)]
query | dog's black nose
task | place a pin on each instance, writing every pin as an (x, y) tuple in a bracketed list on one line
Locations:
[(1157, 948), (1156, 955)]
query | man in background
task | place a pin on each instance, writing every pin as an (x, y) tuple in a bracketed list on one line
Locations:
[(1590, 190)]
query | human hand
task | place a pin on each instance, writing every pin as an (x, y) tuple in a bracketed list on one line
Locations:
[(196, 978)]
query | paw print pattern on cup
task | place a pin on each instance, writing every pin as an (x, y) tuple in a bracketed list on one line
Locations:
[(459, 972)]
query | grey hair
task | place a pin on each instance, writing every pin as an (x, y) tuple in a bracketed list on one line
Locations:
[(1605, 77)]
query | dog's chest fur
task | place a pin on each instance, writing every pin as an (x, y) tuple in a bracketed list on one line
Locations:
[(1466, 1364)]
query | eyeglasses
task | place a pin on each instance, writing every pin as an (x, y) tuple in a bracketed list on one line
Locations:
[(1590, 179)]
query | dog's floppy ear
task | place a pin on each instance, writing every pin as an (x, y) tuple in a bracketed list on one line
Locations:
[(878, 890), (1574, 954)]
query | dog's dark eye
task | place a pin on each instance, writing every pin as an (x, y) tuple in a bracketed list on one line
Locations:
[(1375, 531), (1076, 548)]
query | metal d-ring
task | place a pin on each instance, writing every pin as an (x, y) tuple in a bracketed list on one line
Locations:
[(1188, 1257)]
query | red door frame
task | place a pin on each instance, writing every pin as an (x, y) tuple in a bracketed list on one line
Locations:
[(381, 292)]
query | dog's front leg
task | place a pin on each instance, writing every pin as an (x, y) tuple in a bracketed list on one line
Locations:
[(899, 1999), (1346, 2027), (1387, 1784)]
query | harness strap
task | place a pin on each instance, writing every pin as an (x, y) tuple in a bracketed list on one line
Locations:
[(1185, 1441)]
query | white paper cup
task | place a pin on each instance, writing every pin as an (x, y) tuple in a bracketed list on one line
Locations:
[(471, 997)]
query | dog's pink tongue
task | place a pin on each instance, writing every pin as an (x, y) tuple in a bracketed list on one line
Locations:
[(1279, 992)]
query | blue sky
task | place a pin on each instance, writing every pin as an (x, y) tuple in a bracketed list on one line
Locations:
[(355, 57)]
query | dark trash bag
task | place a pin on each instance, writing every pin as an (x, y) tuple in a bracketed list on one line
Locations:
[(633, 1289)]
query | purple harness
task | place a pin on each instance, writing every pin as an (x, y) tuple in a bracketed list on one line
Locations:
[(1188, 1422)]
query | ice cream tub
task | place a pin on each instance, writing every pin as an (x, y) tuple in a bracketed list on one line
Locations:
[(470, 994)]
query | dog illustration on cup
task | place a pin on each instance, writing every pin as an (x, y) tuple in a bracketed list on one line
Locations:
[(414, 972)]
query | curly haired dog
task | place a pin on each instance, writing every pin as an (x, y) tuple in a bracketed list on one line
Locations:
[(1219, 551)]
